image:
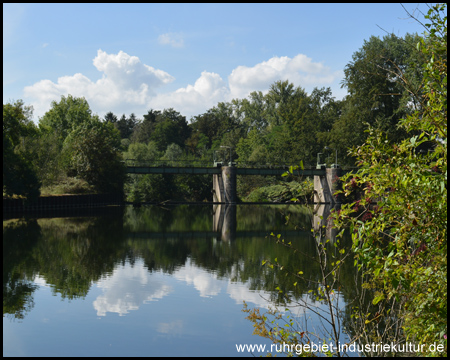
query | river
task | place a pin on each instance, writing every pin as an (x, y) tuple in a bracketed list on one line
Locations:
[(150, 281)]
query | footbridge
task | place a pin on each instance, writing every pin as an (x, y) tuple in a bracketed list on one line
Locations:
[(224, 176)]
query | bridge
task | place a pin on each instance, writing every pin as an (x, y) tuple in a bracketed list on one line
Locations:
[(224, 176)]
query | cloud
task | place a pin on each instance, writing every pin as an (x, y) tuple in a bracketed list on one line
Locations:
[(207, 91), (126, 81), (300, 70), (128, 85), (174, 40)]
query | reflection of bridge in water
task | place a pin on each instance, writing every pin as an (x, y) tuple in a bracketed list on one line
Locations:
[(225, 227)]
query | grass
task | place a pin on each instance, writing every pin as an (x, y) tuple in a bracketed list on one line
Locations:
[(282, 192), (66, 186)]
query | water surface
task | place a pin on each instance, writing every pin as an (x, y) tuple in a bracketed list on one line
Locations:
[(146, 281)]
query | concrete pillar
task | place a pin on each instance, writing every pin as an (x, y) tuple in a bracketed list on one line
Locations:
[(218, 195), (229, 184), (224, 185), (325, 186), (333, 175)]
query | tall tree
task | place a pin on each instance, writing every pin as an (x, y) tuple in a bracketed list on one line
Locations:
[(126, 125), (92, 151), (110, 117), (19, 176), (65, 115)]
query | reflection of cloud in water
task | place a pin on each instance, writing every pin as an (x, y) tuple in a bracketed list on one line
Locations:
[(130, 286), (205, 282), (39, 280), (127, 288), (209, 285)]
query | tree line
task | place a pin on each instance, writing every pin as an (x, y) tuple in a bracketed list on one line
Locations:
[(286, 125)]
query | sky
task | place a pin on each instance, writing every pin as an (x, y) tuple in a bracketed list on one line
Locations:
[(130, 58)]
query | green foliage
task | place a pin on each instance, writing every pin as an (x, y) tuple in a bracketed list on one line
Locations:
[(399, 227), (92, 153), (283, 192), (164, 128), (380, 80), (398, 219), (19, 175), (65, 115), (68, 185), (173, 153), (124, 125), (143, 152)]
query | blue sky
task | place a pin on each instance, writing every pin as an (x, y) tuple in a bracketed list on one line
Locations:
[(133, 57)]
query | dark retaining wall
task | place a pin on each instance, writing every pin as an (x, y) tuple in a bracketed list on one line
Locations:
[(62, 202)]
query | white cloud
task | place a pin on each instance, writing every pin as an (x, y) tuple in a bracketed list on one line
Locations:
[(174, 40), (128, 72), (126, 82), (208, 90), (128, 85), (300, 70)]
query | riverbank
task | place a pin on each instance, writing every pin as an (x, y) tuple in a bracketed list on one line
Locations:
[(57, 202)]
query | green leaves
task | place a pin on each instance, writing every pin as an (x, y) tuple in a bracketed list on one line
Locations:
[(407, 227)]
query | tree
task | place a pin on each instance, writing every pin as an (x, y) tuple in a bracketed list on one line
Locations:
[(378, 94), (173, 153), (399, 226), (19, 176), (110, 117), (142, 152), (126, 125), (163, 128), (143, 130), (66, 115), (92, 152)]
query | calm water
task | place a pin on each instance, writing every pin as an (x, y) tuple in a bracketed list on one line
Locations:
[(146, 281)]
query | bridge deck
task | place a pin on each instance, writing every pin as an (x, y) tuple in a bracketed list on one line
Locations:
[(217, 170)]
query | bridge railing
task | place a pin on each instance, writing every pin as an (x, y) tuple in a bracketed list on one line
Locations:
[(207, 164), (253, 165), (167, 163)]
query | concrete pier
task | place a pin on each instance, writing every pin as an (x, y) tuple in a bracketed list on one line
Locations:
[(325, 186), (224, 185)]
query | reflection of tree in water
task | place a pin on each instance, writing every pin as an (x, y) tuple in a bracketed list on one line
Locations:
[(18, 296), (19, 238), (72, 253), (77, 252)]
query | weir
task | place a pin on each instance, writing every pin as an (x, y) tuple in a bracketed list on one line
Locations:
[(326, 180)]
